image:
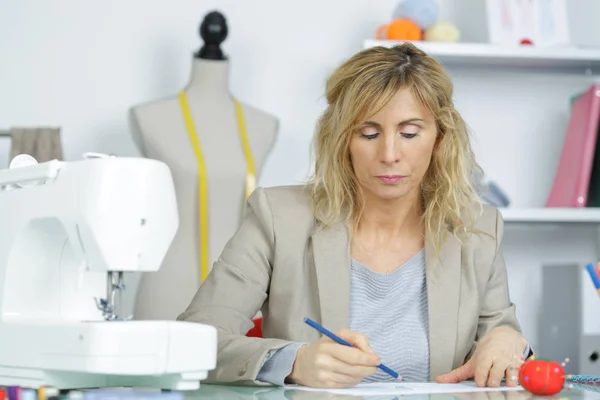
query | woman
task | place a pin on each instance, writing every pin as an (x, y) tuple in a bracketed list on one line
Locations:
[(387, 245)]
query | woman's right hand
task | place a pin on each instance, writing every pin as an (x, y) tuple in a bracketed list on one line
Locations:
[(327, 364)]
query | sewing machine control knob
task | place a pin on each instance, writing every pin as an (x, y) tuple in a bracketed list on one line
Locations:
[(22, 160)]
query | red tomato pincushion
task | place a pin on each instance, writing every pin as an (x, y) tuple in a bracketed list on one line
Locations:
[(542, 377)]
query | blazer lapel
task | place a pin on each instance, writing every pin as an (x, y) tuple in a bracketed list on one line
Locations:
[(331, 250), (443, 290)]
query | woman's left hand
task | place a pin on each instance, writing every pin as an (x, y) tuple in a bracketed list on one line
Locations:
[(498, 355)]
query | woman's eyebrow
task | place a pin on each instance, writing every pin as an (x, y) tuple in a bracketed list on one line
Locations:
[(406, 121)]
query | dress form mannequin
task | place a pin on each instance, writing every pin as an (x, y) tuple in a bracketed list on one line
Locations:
[(159, 131)]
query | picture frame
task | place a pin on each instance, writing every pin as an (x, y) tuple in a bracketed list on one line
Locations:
[(540, 23)]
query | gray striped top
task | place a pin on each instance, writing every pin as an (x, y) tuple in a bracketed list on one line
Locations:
[(391, 309)]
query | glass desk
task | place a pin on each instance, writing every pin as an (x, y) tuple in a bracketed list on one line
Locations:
[(210, 391)]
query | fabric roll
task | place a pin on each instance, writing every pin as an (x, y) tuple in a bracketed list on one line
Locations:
[(42, 143)]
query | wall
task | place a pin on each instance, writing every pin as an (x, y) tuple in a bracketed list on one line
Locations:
[(81, 65)]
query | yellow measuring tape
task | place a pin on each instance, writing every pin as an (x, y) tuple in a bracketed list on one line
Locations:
[(202, 180), (250, 173)]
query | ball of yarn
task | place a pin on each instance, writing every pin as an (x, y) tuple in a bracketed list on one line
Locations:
[(442, 31), (403, 29), (422, 12), (381, 32)]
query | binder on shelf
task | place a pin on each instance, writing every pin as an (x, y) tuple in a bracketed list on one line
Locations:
[(594, 189), (572, 179)]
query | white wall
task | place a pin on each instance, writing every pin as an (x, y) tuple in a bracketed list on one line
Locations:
[(81, 65)]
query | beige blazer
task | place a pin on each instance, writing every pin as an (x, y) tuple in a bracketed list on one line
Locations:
[(279, 263)]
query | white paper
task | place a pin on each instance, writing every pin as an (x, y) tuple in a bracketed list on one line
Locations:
[(408, 388)]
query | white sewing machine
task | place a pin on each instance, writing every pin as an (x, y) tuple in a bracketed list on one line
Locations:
[(68, 232)]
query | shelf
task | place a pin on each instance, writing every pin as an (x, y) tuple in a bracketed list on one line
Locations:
[(552, 215), (471, 54)]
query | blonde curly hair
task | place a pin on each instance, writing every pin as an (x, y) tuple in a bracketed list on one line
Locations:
[(358, 89)]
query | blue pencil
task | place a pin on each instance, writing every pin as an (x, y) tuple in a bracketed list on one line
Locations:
[(594, 276), (341, 341)]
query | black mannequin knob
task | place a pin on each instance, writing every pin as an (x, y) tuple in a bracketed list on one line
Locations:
[(213, 31), (594, 356)]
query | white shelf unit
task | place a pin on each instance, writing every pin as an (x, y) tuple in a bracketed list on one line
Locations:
[(482, 54), (551, 215)]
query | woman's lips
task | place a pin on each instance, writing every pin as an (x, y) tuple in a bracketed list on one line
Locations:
[(390, 179)]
